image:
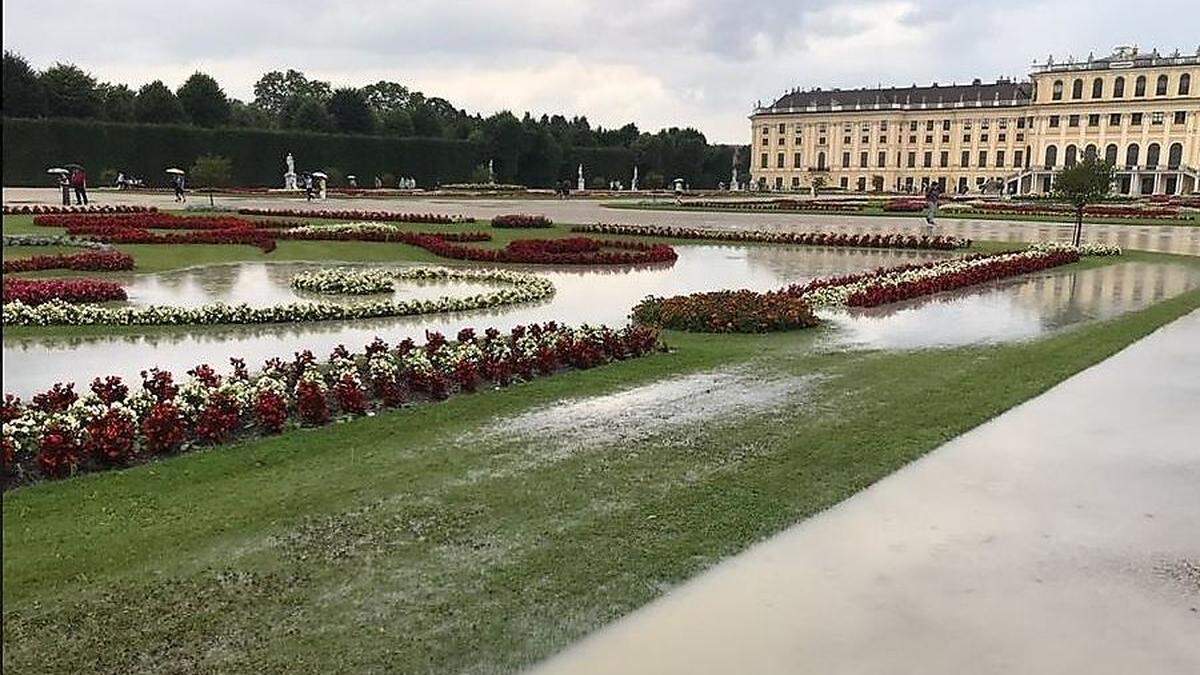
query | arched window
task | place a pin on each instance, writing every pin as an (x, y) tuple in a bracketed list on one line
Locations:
[(1152, 152), (820, 160), (1160, 87), (1077, 88), (1119, 87), (1175, 156), (1185, 84), (1051, 156), (1070, 158), (1097, 88), (1056, 92), (1139, 86), (1110, 154), (1131, 155), (1089, 152)]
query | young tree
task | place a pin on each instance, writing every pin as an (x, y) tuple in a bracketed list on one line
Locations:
[(117, 102), (210, 172), (818, 182), (23, 92), (70, 92), (1087, 182), (350, 111), (203, 101), (156, 104)]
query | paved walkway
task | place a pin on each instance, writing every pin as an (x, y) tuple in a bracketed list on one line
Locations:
[(1061, 537), (1164, 238)]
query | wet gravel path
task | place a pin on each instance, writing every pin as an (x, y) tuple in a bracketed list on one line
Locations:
[(1062, 536)]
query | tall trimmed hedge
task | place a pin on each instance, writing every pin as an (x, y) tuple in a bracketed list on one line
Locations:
[(144, 150)]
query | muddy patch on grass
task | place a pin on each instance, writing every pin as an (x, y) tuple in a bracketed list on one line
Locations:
[(654, 409)]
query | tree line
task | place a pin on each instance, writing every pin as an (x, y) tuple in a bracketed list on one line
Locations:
[(527, 150)]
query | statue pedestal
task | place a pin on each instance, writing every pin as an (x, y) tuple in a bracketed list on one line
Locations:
[(289, 181)]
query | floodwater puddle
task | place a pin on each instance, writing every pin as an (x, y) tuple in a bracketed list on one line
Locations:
[(1019, 308), (582, 295), (660, 407)]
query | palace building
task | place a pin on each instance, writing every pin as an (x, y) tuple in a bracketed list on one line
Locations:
[(1141, 111)]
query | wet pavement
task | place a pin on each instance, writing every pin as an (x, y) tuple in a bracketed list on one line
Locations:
[(1161, 238), (1061, 537)]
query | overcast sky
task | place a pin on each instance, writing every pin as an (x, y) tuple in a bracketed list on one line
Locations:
[(657, 63)]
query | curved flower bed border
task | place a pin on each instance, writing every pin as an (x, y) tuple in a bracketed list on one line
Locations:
[(40, 291), (524, 288), (521, 221), (769, 237), (747, 311), (355, 214), (52, 240), (88, 261), (60, 433), (345, 281), (35, 209)]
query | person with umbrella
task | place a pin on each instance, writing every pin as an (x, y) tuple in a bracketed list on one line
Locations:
[(177, 179), (64, 185), (308, 186), (79, 182), (321, 177)]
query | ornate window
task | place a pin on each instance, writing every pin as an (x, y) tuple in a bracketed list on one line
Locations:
[(1070, 156), (1110, 154), (1051, 156), (1152, 155), (1185, 84), (1175, 156), (1097, 88), (1131, 155), (1139, 86), (1119, 87), (1056, 92), (1077, 88), (1160, 87)]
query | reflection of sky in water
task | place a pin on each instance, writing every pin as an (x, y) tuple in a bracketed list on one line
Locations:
[(1012, 309), (582, 296)]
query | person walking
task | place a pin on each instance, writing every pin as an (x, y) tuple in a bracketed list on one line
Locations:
[(180, 195), (932, 196), (308, 187), (79, 182)]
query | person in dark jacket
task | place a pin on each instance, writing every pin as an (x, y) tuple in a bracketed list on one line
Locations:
[(79, 182)]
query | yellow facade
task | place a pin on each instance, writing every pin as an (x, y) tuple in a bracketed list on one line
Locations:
[(1142, 111)]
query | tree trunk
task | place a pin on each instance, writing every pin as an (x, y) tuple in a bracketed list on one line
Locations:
[(1078, 225)]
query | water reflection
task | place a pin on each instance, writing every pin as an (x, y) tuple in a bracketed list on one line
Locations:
[(1012, 309), (583, 296)]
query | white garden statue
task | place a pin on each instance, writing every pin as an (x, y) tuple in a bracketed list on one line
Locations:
[(289, 178), (580, 182), (633, 183)]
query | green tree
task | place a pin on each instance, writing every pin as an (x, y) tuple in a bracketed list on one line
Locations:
[(23, 93), (309, 114), (70, 92), (117, 102), (273, 90), (350, 111), (156, 104), (249, 115), (397, 122), (818, 182), (211, 172), (1087, 182), (384, 97), (203, 101)]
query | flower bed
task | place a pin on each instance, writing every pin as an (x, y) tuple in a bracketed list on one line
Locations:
[(355, 214), (521, 288), (777, 205), (1063, 210), (35, 209), (521, 221), (345, 281), (772, 237), (60, 433), (1085, 250), (51, 240), (39, 291), (87, 261), (905, 205), (741, 311)]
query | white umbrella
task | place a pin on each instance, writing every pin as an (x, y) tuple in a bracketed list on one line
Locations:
[(319, 174), (174, 170), (57, 170), (351, 176)]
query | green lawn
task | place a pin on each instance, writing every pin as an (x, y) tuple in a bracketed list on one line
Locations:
[(412, 542), (417, 541)]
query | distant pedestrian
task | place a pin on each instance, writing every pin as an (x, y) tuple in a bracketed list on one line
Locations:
[(308, 187), (932, 196), (79, 182), (64, 184), (180, 195)]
